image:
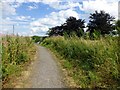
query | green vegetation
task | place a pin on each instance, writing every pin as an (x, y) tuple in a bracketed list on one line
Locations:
[(16, 51), (72, 25), (38, 39), (100, 23), (91, 63)]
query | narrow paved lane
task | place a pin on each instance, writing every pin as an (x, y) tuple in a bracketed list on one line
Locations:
[(45, 71)]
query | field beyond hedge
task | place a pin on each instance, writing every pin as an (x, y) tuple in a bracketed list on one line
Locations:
[(91, 63)]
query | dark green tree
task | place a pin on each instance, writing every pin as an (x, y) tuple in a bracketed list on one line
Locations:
[(36, 39), (117, 26), (72, 25), (55, 31), (100, 22)]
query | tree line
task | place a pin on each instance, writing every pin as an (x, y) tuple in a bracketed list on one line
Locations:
[(100, 24)]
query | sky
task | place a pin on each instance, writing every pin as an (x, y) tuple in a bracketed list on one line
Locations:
[(35, 17)]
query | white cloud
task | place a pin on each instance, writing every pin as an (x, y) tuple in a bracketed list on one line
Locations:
[(50, 1), (7, 9), (56, 4), (54, 19), (7, 26), (19, 19), (8, 18), (37, 1), (23, 18), (16, 4), (64, 5), (106, 5), (34, 6), (23, 33)]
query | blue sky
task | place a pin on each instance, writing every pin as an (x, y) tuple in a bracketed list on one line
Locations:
[(35, 17)]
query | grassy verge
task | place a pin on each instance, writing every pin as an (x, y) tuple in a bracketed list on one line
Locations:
[(90, 63), (17, 51)]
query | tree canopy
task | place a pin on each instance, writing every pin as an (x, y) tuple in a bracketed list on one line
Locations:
[(100, 22), (71, 25), (36, 38), (118, 27), (118, 23)]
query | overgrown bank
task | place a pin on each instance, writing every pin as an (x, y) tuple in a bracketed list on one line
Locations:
[(91, 63), (16, 52)]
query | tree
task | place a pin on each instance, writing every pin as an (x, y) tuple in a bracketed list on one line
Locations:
[(71, 25), (117, 25), (55, 31), (74, 25), (100, 22), (36, 38)]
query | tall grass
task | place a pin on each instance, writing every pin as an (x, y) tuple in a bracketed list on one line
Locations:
[(16, 50), (92, 63), (0, 63)]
